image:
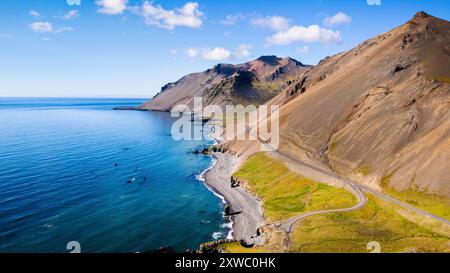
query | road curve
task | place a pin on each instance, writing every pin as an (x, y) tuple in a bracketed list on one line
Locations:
[(289, 224), (351, 187), (356, 186)]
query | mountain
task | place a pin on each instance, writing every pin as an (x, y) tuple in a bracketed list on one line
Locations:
[(378, 113), (254, 82)]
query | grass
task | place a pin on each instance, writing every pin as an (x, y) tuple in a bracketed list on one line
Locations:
[(286, 193), (235, 247), (364, 170), (273, 86), (442, 79), (385, 180), (268, 86), (434, 204), (333, 146), (351, 231)]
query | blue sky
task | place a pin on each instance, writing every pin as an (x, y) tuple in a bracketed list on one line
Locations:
[(120, 48)]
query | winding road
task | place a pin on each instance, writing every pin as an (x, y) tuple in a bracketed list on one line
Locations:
[(362, 200), (357, 189)]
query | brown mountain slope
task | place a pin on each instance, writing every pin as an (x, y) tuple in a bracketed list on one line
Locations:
[(255, 82), (379, 113)]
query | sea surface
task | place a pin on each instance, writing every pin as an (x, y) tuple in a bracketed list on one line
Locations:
[(113, 181)]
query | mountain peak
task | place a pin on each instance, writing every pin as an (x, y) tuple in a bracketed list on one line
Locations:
[(253, 82), (295, 61), (420, 15), (270, 59), (421, 18), (274, 60)]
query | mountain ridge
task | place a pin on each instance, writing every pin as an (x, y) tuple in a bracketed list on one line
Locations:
[(378, 113), (253, 82)]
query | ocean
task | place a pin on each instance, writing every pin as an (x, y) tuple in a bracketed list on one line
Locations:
[(112, 181)]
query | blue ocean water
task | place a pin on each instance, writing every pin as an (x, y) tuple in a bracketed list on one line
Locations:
[(59, 181)]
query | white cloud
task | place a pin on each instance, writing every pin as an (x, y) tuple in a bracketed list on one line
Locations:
[(173, 51), (41, 27), (189, 15), (192, 52), (72, 14), (310, 34), (47, 27), (46, 39), (63, 29), (303, 50), (112, 7), (34, 13), (374, 2), (337, 19), (243, 51), (233, 19), (277, 23), (219, 53)]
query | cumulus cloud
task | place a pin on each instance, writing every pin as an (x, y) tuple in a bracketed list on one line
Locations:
[(34, 13), (192, 52), (277, 23), (47, 27), (233, 19), (243, 51), (310, 34), (41, 27), (72, 14), (337, 19), (112, 7), (215, 54), (189, 15), (219, 53)]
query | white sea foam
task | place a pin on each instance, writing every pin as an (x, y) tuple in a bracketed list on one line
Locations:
[(201, 177), (47, 226), (217, 235), (229, 226)]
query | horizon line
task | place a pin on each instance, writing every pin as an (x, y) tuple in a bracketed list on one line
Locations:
[(69, 97)]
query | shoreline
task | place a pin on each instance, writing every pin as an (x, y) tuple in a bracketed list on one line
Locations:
[(202, 177), (217, 178), (250, 218)]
